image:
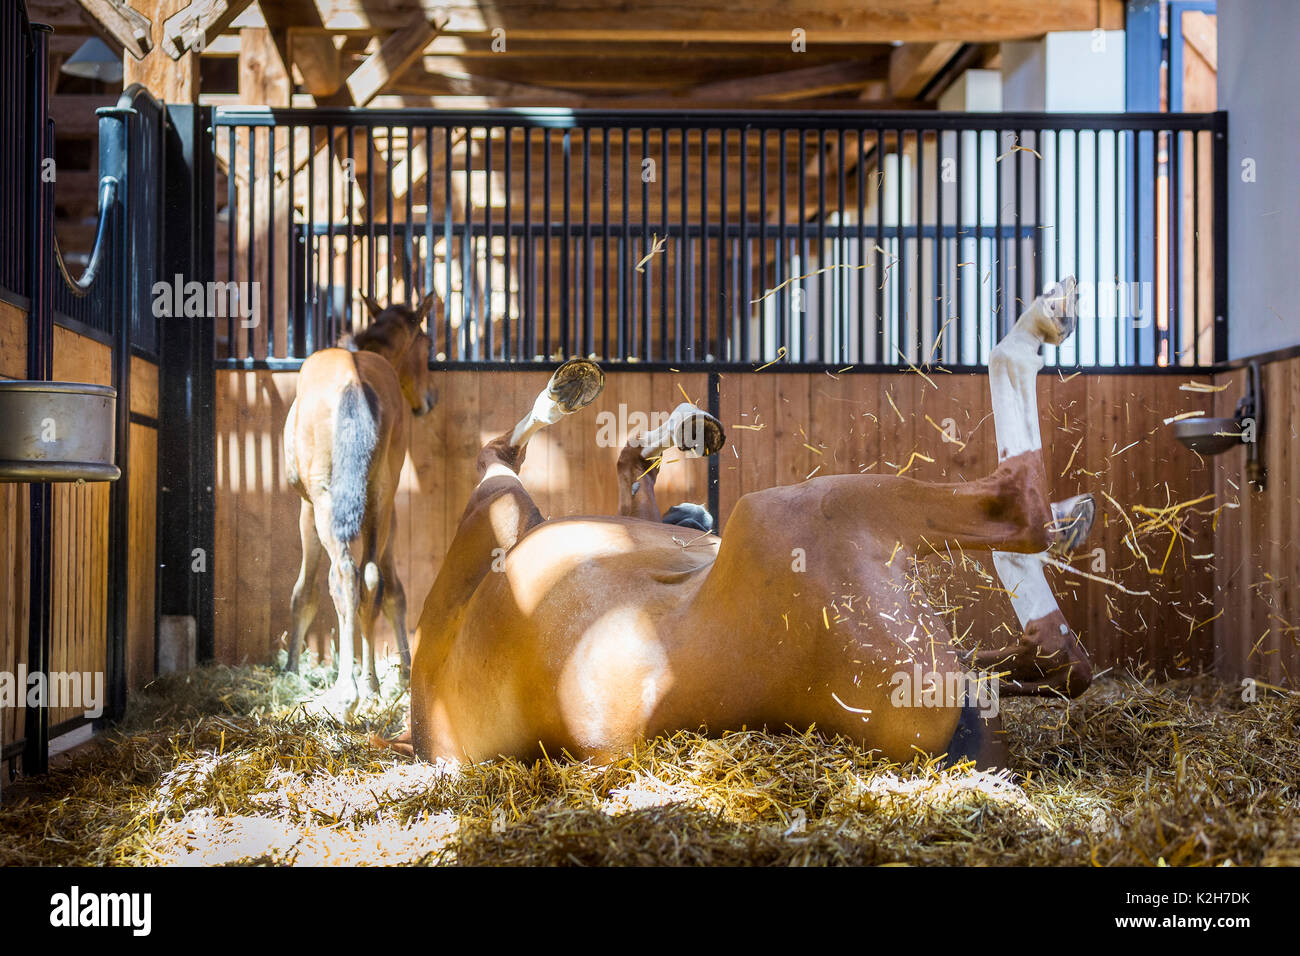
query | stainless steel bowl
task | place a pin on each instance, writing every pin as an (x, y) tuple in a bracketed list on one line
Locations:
[(57, 431), (1208, 436)]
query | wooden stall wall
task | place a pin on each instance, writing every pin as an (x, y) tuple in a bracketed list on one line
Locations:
[(1257, 563), (14, 510), (570, 469), (142, 567), (1102, 433), (79, 582)]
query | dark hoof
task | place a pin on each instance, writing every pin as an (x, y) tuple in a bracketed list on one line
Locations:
[(576, 384), (700, 433)]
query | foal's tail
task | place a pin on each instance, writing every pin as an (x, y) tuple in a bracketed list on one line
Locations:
[(355, 436)]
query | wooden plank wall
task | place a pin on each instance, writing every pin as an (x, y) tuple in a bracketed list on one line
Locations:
[(257, 551), (14, 509), (1102, 433), (1257, 564), (79, 583), (142, 508)]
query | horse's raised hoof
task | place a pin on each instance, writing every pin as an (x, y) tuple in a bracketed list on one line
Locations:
[(575, 385), (1071, 523), (699, 433)]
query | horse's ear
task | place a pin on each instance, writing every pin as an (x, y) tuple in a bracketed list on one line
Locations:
[(346, 341), (426, 307), (373, 307)]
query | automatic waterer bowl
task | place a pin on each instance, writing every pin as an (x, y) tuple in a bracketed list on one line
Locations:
[(57, 431)]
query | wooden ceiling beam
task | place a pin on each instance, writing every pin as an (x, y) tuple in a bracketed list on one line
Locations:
[(913, 65), (199, 24), (132, 29), (826, 22), (399, 51), (792, 84)]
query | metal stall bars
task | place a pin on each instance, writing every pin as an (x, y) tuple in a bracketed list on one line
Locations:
[(825, 240)]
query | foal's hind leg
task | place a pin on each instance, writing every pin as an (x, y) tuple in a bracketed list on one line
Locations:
[(305, 595), (394, 607)]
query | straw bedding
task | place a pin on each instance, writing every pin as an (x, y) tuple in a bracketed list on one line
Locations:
[(237, 766)]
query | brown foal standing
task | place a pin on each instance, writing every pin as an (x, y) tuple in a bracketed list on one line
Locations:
[(344, 443)]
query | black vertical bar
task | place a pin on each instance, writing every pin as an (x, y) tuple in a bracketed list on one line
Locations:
[(979, 250), (1174, 329), (408, 244), (252, 237), (293, 334), (488, 254), (801, 231), (388, 204), (232, 223), (331, 333), (762, 240), (1096, 246), (270, 242), (566, 270), (860, 168), (901, 298), (372, 248), (646, 247), (1056, 224), (918, 185), (1119, 271), (704, 241), (1196, 247), (348, 256), (1019, 286), (1156, 335), (745, 258), (822, 313), (841, 275), (509, 240), (589, 278), (996, 260), (683, 253), (1036, 284), (939, 287), (467, 264), (446, 240), (604, 232), (879, 272), (724, 317), (432, 321), (40, 367), (959, 247), (782, 259), (625, 343), (1135, 218), (1078, 236), (663, 265)]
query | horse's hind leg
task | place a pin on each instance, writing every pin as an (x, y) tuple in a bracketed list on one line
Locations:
[(305, 595)]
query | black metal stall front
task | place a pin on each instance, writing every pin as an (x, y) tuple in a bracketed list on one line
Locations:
[(722, 240)]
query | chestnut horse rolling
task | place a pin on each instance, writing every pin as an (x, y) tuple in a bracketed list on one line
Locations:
[(344, 443), (588, 634)]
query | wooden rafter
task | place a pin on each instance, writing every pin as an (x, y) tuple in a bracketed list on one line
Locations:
[(401, 49), (793, 84), (126, 25), (913, 65), (199, 24)]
